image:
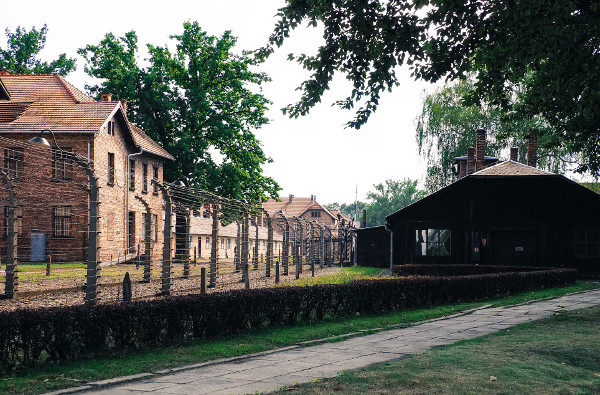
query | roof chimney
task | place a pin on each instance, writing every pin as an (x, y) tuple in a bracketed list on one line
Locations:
[(313, 198), (532, 148), (364, 219), (4, 72), (480, 150), (514, 154), (106, 97), (470, 160), (291, 198), (124, 105)]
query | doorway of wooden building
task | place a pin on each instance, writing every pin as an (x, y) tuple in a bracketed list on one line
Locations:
[(514, 247)]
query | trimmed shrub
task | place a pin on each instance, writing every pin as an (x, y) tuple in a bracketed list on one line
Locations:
[(78, 331), (459, 270)]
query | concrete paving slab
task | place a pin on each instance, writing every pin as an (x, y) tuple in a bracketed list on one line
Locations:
[(265, 373)]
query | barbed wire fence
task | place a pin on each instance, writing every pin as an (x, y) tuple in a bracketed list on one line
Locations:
[(85, 218)]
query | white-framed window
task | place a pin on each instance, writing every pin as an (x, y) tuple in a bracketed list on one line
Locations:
[(61, 221), (432, 242)]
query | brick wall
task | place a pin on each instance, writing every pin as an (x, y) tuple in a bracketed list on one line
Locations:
[(38, 193)]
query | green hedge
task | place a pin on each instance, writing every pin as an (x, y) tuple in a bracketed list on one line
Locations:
[(60, 334), (459, 270)]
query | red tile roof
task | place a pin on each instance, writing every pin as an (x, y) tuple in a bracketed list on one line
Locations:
[(295, 208), (31, 103), (142, 140)]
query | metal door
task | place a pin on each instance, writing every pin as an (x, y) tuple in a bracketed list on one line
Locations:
[(38, 247)]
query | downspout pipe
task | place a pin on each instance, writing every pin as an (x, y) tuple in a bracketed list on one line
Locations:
[(127, 177), (389, 229)]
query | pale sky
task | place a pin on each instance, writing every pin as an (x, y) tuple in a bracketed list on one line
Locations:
[(312, 155)]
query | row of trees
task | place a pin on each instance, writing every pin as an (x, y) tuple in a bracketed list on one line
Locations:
[(384, 199), (446, 128), (546, 54), (197, 101)]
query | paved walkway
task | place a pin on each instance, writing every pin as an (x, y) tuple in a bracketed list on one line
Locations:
[(271, 371)]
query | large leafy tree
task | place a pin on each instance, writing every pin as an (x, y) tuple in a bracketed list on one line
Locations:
[(352, 210), (22, 50), (549, 51), (384, 199), (389, 197), (197, 101), (446, 128)]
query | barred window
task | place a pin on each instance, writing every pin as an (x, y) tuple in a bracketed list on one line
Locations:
[(61, 221), (432, 242), (155, 177), (222, 243), (145, 178), (111, 128), (111, 168), (18, 216), (207, 243), (154, 227), (13, 162), (131, 175), (62, 164)]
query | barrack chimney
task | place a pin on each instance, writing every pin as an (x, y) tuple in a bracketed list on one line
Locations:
[(291, 198), (480, 150), (4, 72), (514, 154), (106, 97), (532, 148), (470, 160)]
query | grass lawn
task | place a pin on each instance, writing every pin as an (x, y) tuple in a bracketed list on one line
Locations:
[(44, 376), (345, 275), (558, 355)]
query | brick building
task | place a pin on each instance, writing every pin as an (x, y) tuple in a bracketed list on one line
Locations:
[(201, 238), (51, 191), (301, 207)]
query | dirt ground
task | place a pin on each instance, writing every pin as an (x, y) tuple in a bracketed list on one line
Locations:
[(64, 287)]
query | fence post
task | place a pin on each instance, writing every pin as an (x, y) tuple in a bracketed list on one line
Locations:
[(277, 270), (10, 285), (286, 244), (166, 261), (244, 257), (91, 286), (214, 246), (300, 247), (186, 246), (246, 277), (269, 244), (322, 248), (238, 248), (255, 255), (48, 265), (203, 281), (297, 262)]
